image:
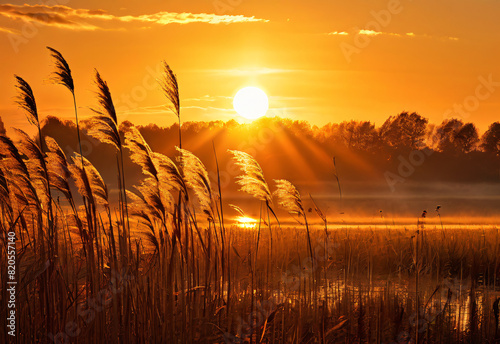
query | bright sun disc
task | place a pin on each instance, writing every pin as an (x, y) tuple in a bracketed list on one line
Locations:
[(251, 102)]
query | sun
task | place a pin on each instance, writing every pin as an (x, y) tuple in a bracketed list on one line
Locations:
[(251, 102)]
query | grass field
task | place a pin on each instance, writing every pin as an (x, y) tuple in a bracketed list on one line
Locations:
[(362, 285)]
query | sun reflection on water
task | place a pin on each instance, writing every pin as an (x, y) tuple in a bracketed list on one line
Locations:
[(246, 222)]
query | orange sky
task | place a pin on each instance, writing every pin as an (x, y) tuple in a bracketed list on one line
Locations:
[(322, 61)]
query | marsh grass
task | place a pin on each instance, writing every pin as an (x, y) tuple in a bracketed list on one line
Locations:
[(164, 266)]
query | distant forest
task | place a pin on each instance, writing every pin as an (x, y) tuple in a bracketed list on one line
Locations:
[(404, 148)]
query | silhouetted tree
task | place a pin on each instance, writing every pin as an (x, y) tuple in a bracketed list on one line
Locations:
[(361, 136), (466, 138), (445, 134), (490, 141), (328, 133), (404, 130), (455, 136), (294, 150)]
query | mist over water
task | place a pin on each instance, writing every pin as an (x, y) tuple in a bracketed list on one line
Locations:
[(373, 204)]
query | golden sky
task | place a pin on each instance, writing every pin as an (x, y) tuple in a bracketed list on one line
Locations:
[(321, 61)]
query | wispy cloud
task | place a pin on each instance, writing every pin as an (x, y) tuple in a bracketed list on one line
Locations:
[(246, 71), (165, 18), (86, 19), (376, 33), (59, 16), (338, 33), (393, 34), (210, 108), (8, 30), (207, 98)]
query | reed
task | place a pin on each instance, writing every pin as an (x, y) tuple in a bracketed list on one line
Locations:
[(170, 88)]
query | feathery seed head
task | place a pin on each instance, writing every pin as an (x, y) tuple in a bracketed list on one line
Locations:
[(26, 100), (104, 98), (62, 74), (88, 180), (140, 153), (104, 129), (171, 89), (289, 197), (57, 167), (168, 174), (104, 126), (196, 177), (252, 181)]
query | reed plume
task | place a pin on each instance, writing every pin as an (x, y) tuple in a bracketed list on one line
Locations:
[(146, 205), (25, 193), (17, 175), (162, 173), (154, 196), (26, 100), (170, 88), (104, 129), (252, 181), (58, 167), (62, 74), (35, 163), (139, 150), (169, 176), (289, 197), (104, 97), (13, 162), (196, 177), (104, 126), (150, 194), (88, 180)]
